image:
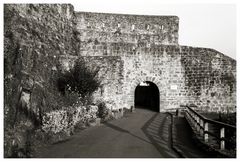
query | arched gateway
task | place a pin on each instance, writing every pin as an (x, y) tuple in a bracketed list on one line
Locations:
[(147, 96)]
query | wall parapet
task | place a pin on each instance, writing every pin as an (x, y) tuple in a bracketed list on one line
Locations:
[(128, 28)]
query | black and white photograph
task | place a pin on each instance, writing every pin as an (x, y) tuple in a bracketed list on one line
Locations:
[(119, 79)]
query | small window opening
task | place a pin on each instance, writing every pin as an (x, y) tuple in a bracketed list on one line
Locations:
[(133, 27), (161, 27), (147, 26)]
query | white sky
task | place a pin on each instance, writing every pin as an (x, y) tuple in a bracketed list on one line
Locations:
[(201, 25)]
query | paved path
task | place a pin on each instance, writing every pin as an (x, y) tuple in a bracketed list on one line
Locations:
[(140, 134)]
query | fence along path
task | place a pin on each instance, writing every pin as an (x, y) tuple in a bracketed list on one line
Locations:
[(219, 135)]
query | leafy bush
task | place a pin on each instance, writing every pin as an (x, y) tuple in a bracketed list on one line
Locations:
[(80, 80)]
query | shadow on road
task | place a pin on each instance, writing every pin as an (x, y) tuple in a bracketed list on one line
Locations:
[(124, 131), (158, 132)]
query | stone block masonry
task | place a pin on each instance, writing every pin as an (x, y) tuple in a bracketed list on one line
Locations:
[(184, 75), (210, 78), (35, 35), (159, 66), (97, 30)]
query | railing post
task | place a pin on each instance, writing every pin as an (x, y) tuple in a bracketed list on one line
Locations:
[(205, 133), (198, 124), (195, 121), (222, 135), (201, 127), (191, 117)]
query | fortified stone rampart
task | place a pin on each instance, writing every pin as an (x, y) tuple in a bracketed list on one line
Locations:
[(210, 77), (184, 75), (102, 28), (35, 35), (127, 49)]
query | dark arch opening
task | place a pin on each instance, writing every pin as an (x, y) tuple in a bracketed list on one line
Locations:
[(147, 96)]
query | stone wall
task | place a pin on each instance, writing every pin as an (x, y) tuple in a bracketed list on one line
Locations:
[(210, 77), (184, 75), (127, 49), (97, 30), (160, 65), (34, 37), (111, 76)]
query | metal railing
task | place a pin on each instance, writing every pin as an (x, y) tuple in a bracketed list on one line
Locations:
[(211, 131)]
